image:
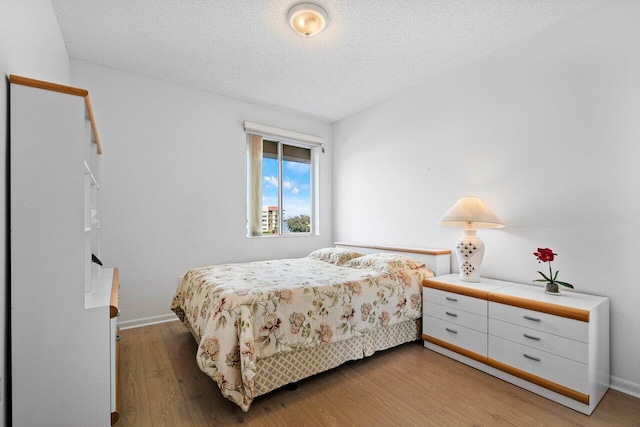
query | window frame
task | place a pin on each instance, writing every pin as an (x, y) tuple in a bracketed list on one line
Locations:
[(295, 139), (281, 198)]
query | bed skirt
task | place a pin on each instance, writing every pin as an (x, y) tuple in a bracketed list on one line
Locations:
[(281, 369)]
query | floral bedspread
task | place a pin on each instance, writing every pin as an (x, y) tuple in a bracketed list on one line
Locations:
[(240, 313)]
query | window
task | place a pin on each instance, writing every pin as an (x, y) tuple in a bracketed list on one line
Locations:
[(281, 186)]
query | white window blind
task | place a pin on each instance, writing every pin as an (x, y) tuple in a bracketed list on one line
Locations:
[(281, 134)]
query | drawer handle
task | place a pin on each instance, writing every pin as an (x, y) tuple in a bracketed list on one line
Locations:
[(452, 299), (451, 314), (118, 337), (535, 319), (531, 337), (535, 359), (453, 331)]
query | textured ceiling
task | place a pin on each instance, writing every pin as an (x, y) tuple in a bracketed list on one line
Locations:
[(244, 49)]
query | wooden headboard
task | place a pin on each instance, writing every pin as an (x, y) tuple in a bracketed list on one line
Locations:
[(438, 260)]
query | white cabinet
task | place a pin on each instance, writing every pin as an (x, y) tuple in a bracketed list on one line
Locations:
[(556, 346), (62, 344), (454, 320)]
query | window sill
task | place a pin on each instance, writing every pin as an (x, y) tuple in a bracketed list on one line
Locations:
[(280, 236)]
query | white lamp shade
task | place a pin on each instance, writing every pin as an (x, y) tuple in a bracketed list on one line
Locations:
[(470, 212)]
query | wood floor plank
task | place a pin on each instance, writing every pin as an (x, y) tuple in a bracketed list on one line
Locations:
[(386, 389), (166, 401), (353, 394), (195, 385), (393, 369), (408, 385), (134, 401)]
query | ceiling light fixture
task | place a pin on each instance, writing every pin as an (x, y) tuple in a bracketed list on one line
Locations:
[(307, 19)]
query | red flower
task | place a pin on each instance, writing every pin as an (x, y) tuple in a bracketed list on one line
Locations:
[(544, 254), (547, 255)]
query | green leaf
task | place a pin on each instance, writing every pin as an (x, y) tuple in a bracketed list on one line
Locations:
[(545, 277), (568, 285), (555, 276)]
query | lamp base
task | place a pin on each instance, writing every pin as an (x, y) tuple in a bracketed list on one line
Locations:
[(470, 251)]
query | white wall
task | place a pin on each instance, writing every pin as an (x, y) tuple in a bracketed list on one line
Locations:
[(546, 132), (173, 183), (31, 45)]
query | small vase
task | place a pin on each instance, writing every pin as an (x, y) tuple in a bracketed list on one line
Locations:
[(470, 251), (552, 289)]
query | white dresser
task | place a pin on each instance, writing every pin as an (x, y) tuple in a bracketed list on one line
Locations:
[(454, 320), (556, 346), (63, 305)]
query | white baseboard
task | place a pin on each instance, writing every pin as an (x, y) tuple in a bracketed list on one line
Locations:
[(625, 386), (146, 321)]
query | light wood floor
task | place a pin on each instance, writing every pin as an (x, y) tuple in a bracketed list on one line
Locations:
[(406, 386)]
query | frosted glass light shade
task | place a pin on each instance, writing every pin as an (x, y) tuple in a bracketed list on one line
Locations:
[(307, 19), (471, 213)]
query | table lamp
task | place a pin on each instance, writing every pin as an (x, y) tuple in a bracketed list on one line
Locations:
[(471, 214)]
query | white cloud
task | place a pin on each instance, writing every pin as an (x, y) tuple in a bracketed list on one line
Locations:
[(291, 186), (272, 181)]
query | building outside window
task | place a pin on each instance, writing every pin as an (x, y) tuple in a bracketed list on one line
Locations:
[(270, 223)]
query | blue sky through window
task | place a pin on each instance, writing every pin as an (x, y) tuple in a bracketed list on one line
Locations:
[(296, 186)]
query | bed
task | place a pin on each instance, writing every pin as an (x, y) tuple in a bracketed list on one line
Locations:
[(261, 325)]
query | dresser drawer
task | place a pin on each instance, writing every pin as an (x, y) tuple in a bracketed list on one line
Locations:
[(453, 300), (560, 370), (456, 316), (554, 344), (457, 335), (556, 325)]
